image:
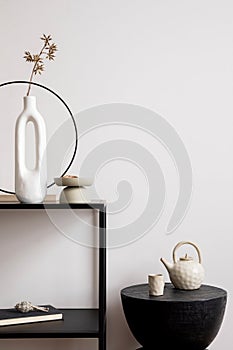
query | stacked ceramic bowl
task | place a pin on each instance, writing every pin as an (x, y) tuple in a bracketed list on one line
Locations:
[(74, 190)]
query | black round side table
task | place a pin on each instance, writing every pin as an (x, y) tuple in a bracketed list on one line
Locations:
[(180, 319)]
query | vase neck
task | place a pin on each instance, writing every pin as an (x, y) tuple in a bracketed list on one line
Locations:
[(29, 101)]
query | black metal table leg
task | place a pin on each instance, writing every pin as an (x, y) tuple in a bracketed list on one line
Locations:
[(102, 278)]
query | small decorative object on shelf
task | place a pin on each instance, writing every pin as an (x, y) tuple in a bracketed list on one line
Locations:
[(156, 284), (75, 189), (186, 273), (31, 184), (26, 306)]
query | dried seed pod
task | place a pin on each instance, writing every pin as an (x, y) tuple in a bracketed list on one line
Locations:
[(24, 306)]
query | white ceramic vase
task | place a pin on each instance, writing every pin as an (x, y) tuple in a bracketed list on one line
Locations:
[(30, 184)]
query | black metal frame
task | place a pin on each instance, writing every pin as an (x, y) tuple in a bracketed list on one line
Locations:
[(102, 279), (30, 331)]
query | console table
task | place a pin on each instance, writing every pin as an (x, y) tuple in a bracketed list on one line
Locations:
[(179, 319), (77, 323)]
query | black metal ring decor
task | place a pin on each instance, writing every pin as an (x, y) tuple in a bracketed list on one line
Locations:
[(70, 113)]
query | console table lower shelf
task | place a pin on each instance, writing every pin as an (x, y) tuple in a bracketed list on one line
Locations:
[(77, 323)]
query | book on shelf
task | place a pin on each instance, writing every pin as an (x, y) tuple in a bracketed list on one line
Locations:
[(13, 198), (13, 317)]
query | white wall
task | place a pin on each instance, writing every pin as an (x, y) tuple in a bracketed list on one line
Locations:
[(173, 57)]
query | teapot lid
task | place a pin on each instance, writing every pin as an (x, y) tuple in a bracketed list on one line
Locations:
[(186, 258)]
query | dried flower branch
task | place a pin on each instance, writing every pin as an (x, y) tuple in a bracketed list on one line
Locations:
[(47, 52)]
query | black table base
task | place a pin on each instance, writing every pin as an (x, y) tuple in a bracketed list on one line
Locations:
[(185, 320)]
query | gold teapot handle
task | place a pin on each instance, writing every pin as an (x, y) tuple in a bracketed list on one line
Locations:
[(182, 243)]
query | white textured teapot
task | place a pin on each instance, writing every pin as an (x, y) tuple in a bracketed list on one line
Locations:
[(186, 273)]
